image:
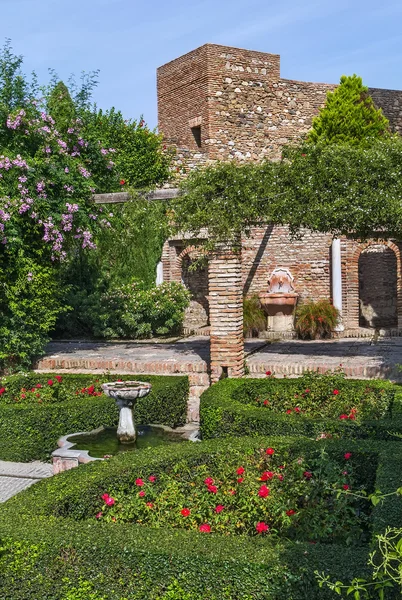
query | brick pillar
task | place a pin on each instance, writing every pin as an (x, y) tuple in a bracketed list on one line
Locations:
[(226, 313)]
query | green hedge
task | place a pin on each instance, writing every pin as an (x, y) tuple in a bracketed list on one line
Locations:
[(225, 411), (30, 431), (46, 555)]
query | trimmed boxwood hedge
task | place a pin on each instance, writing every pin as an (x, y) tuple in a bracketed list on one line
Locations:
[(44, 554), (222, 414), (30, 431)]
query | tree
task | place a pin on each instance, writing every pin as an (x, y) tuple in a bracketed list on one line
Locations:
[(61, 107), (139, 157), (349, 116)]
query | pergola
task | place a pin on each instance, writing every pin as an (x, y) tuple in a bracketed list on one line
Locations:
[(225, 296)]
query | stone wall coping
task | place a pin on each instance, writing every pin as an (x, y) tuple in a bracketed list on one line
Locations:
[(118, 197)]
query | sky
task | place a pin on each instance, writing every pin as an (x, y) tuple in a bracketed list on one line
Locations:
[(318, 40)]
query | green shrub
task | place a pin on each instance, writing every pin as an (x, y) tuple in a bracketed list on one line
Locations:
[(132, 311), (254, 319), (44, 554), (315, 320), (361, 409), (29, 305), (29, 431)]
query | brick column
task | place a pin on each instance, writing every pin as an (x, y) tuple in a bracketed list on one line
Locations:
[(226, 313)]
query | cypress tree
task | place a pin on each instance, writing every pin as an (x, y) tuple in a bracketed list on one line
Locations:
[(349, 116)]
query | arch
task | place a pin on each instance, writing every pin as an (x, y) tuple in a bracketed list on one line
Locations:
[(352, 282), (196, 281)]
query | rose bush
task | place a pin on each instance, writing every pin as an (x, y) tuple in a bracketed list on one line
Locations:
[(278, 494), (318, 395)]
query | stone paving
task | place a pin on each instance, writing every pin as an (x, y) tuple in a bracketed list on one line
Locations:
[(359, 357), (15, 477)]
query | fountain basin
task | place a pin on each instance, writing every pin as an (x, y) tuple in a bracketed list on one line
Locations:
[(126, 393), (278, 299), (83, 447)]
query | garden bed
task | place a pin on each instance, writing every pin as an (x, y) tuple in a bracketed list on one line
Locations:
[(36, 409), (313, 405), (61, 542)]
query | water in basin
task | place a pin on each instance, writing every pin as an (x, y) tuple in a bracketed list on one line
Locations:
[(106, 442)]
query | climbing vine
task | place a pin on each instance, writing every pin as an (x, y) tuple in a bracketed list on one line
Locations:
[(339, 189)]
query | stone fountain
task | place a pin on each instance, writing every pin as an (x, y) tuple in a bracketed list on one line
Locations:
[(279, 301), (126, 393)]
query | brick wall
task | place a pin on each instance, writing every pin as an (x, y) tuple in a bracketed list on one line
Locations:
[(377, 287), (307, 258)]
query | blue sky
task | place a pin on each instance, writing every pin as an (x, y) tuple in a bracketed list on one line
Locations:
[(318, 40)]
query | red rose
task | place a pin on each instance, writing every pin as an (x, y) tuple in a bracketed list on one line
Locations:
[(219, 508), (212, 488), (297, 409), (261, 527), (335, 392), (205, 528), (347, 455), (307, 391), (149, 504), (240, 480), (141, 494), (122, 182), (307, 474), (208, 481), (263, 492), (345, 486), (344, 417), (50, 382), (139, 482), (38, 385), (280, 477), (290, 512), (152, 478), (266, 402), (270, 451), (232, 492), (185, 512), (268, 373), (266, 475), (240, 471), (289, 412), (2, 390), (109, 501), (59, 378), (98, 515)]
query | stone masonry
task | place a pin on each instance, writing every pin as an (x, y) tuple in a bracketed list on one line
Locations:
[(222, 103)]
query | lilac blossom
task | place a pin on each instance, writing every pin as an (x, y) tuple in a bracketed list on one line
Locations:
[(84, 172)]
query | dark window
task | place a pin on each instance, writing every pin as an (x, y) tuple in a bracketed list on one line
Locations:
[(196, 131)]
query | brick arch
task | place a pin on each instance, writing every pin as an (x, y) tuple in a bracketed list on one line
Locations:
[(186, 252), (352, 281)]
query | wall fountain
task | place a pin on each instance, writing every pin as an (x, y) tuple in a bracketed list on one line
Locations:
[(279, 301)]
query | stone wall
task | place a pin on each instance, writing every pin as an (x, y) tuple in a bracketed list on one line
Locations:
[(244, 109)]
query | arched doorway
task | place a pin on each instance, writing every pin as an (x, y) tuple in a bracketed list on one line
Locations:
[(195, 278), (378, 292)]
